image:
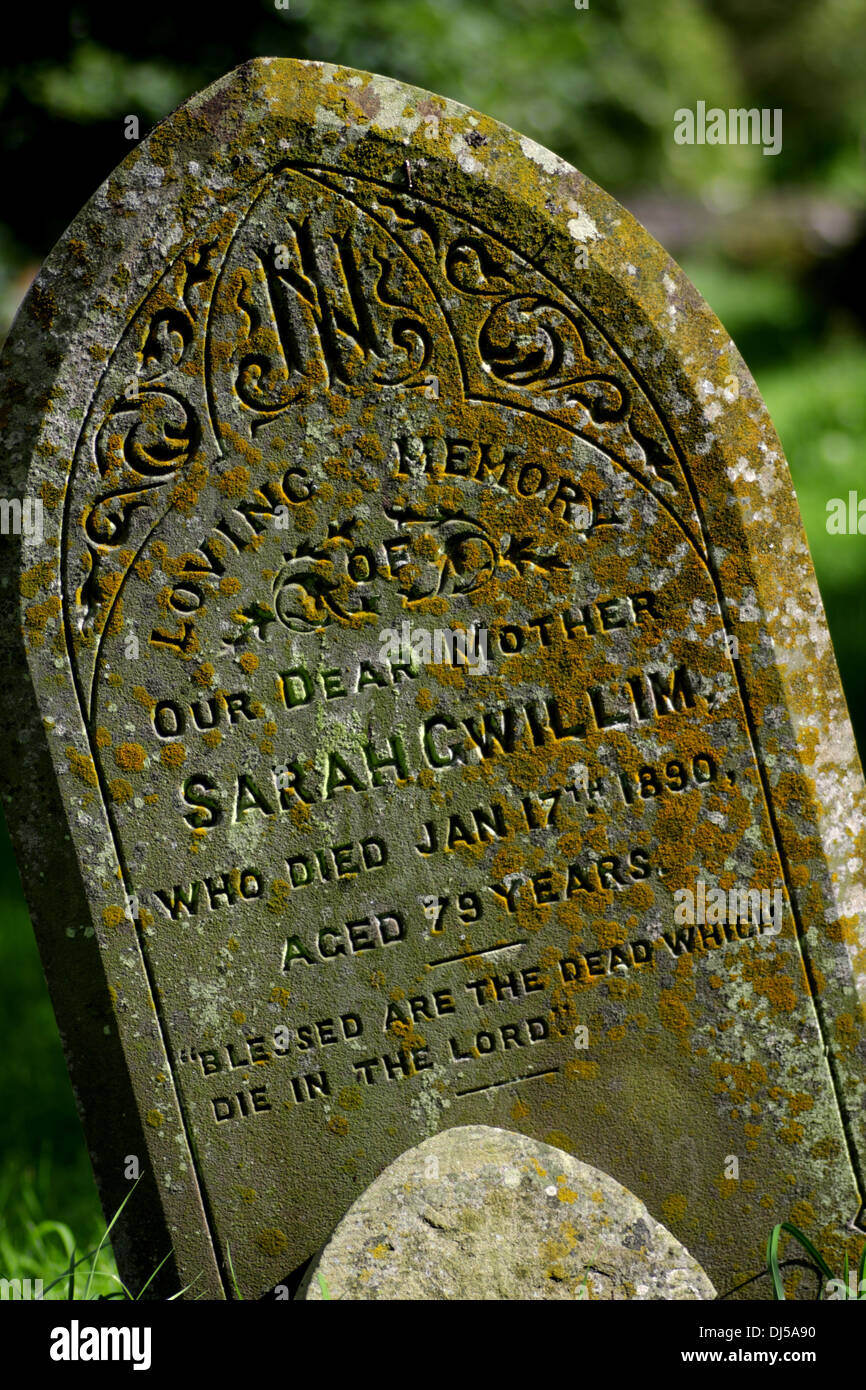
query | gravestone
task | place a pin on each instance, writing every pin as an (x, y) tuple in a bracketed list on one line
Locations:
[(479, 1213), (417, 663)]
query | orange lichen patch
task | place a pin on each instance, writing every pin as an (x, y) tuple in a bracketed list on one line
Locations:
[(102, 737), (674, 1209), (239, 1017), (339, 1125), (674, 1015), (847, 1033), (350, 1098), (51, 494), (144, 698), (611, 934), (81, 766), (826, 1148), (278, 902), (406, 1034), (848, 931), (115, 623), (38, 577), (130, 756), (213, 738), (742, 1081), (301, 816), (249, 662), (280, 995), (204, 675), (370, 446), (173, 755), (559, 1140), (230, 585), (803, 1214), (272, 1242), (235, 482), (155, 1119), (113, 916), (582, 1070), (792, 1133), (120, 790), (37, 616), (800, 1102), (184, 494)]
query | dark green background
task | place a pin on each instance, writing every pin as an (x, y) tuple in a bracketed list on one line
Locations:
[(775, 244)]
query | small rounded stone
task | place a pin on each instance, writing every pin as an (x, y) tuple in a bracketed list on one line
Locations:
[(472, 1232)]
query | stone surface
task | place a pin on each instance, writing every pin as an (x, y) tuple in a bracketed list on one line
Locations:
[(481, 1213), (325, 356)]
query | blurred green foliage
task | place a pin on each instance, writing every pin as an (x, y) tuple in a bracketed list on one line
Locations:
[(600, 86)]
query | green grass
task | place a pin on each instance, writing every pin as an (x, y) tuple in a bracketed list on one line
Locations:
[(842, 1286), (50, 1212), (34, 1248), (72, 1260)]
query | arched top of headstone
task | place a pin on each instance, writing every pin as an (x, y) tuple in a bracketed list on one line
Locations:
[(411, 606)]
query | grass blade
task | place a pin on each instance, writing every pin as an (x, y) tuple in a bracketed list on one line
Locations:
[(773, 1264), (238, 1293), (773, 1256), (153, 1276), (106, 1234)]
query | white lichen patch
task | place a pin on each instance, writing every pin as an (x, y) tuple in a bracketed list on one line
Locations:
[(582, 227), (742, 470), (464, 156), (546, 159)]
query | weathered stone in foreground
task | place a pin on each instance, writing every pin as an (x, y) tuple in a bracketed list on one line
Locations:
[(482, 1213), (329, 372)]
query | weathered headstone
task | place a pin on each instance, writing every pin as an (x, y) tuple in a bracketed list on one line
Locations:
[(332, 383), (480, 1213)]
